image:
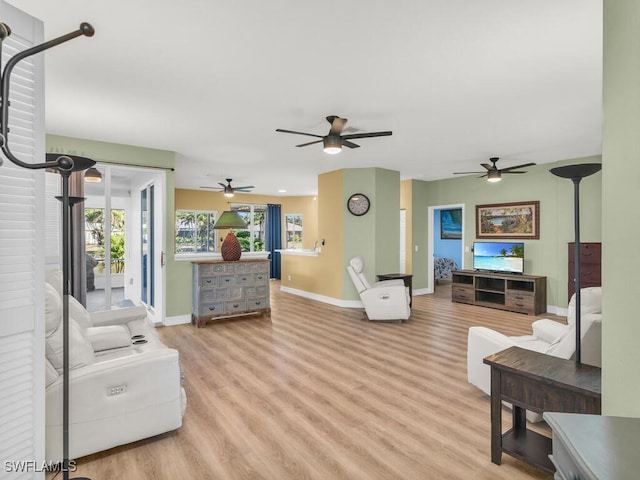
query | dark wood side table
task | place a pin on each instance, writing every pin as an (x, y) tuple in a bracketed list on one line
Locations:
[(405, 277), (541, 383)]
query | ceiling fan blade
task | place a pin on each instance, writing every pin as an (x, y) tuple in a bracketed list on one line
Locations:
[(510, 171), (337, 125), (518, 166), (465, 173), (347, 143), (298, 133), (310, 143), (366, 135), (222, 185), (488, 167), (214, 188), (243, 188)]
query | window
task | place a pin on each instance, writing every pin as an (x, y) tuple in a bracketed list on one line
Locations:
[(253, 238), (94, 237), (293, 230), (194, 231)]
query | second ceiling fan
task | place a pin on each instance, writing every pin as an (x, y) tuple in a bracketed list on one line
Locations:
[(229, 190), (493, 173), (334, 141)]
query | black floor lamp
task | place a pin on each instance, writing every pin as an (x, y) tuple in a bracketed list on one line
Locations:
[(65, 165), (577, 173)]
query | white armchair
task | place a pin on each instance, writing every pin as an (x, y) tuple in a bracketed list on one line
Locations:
[(125, 385), (548, 336), (385, 300)]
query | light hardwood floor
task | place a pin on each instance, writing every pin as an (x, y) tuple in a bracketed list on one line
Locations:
[(314, 392)]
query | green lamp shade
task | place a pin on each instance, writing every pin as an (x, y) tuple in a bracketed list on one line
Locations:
[(230, 219)]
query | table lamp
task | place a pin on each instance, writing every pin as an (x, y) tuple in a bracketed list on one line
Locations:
[(231, 250)]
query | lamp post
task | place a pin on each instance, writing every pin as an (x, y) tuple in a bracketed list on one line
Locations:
[(576, 173)]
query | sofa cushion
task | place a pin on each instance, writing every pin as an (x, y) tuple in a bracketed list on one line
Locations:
[(591, 301), (80, 349), (52, 309), (79, 314)]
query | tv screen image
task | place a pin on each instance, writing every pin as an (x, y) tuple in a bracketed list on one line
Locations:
[(499, 256)]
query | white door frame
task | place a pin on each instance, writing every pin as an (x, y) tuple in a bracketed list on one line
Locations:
[(431, 240)]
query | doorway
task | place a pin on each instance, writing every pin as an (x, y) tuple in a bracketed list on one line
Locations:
[(122, 257), (458, 249)]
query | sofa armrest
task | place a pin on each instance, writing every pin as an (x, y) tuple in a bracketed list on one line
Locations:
[(482, 342), (388, 293), (120, 316), (549, 330), (124, 399), (388, 283)]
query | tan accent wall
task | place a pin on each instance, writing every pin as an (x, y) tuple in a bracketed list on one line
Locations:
[(329, 265), (406, 205)]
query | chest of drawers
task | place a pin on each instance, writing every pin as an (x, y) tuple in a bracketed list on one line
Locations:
[(590, 266), (224, 289)]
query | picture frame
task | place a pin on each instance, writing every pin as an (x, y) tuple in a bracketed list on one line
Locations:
[(515, 220), (451, 224)]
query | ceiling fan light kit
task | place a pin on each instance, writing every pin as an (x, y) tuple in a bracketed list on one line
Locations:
[(334, 141), (332, 144), (494, 176)]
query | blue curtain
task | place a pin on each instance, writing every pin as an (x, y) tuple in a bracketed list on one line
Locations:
[(274, 237)]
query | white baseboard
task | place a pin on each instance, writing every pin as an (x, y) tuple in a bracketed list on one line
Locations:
[(322, 298), (177, 320)]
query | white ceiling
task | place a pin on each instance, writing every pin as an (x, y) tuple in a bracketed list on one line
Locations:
[(457, 81)]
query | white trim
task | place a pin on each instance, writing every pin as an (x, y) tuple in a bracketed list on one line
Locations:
[(300, 252), (177, 320), (321, 298), (421, 291)]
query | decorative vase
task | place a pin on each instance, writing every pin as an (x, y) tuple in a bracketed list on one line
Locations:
[(231, 250)]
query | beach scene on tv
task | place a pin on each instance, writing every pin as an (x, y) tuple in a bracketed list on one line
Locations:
[(499, 256)]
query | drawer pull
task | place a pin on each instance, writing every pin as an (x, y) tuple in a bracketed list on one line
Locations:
[(227, 280), (208, 281), (212, 308), (236, 305), (244, 278), (519, 305), (260, 277), (519, 297)]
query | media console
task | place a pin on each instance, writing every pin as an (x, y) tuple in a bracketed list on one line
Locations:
[(516, 293)]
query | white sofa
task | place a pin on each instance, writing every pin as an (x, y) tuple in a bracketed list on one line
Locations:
[(548, 336), (125, 384), (385, 300)]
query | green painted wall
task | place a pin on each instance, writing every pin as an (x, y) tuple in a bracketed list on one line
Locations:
[(375, 235), (620, 221), (546, 256)]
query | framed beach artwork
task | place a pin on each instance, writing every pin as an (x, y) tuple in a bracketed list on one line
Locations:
[(508, 220), (451, 224)]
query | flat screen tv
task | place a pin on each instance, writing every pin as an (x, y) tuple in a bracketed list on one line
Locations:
[(505, 257)]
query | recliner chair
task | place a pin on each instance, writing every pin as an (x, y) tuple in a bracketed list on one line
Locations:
[(385, 300), (125, 384)]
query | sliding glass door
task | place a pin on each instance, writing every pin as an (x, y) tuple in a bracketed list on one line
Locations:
[(147, 243)]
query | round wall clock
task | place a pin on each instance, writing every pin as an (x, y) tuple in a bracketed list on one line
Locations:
[(358, 204)]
